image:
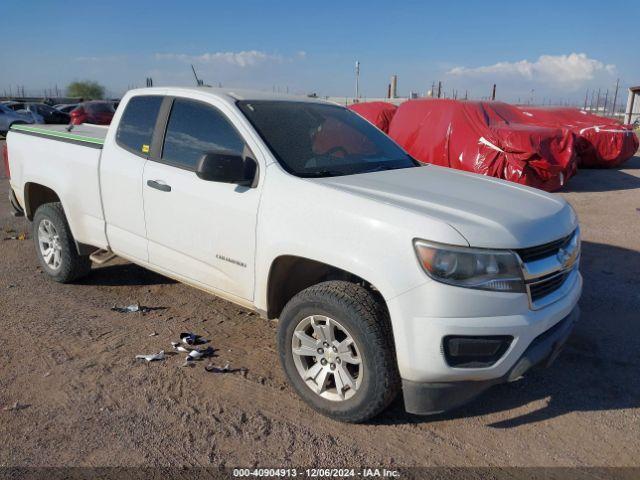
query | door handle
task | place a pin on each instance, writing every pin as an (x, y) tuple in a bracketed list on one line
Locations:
[(159, 185)]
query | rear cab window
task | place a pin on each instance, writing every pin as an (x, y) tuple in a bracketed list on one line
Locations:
[(138, 121)]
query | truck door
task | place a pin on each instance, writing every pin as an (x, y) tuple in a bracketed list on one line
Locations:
[(121, 170), (204, 231)]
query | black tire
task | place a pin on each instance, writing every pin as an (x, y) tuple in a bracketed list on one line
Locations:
[(72, 265), (367, 321)]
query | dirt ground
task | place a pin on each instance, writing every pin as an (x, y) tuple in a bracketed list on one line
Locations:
[(83, 400)]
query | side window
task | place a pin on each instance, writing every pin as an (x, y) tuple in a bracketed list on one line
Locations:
[(136, 125), (195, 128)]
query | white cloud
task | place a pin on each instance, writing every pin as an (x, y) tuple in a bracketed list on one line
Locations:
[(574, 68), (242, 59)]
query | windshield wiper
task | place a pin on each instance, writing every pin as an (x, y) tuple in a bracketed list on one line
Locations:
[(381, 168), (322, 173)]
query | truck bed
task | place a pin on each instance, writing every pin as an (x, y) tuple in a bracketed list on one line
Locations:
[(85, 134), (49, 156)]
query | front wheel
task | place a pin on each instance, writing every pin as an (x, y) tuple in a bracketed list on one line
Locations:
[(336, 348), (55, 246)]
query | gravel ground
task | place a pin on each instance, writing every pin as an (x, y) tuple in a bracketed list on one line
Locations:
[(68, 362)]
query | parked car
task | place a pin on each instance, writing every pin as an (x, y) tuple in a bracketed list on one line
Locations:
[(48, 114), (488, 138), (379, 113), (40, 112), (383, 274), (601, 142), (8, 118), (66, 107), (96, 112)]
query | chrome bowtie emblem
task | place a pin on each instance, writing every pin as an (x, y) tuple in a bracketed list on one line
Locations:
[(563, 256)]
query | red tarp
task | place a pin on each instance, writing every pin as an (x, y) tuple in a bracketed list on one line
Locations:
[(378, 113), (485, 138), (601, 142)]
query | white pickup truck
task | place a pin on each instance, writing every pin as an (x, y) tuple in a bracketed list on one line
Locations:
[(385, 276)]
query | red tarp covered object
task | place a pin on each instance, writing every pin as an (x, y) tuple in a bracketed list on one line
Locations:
[(378, 113), (485, 138), (601, 142)]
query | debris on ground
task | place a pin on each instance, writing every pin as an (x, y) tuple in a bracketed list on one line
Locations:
[(200, 353), (177, 346), (21, 236), (191, 338), (226, 369), (150, 358), (153, 334), (135, 308), (193, 353), (16, 406)]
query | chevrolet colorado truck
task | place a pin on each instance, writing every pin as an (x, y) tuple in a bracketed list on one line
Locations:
[(385, 276)]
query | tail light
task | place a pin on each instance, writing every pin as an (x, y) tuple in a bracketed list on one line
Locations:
[(78, 116), (5, 156)]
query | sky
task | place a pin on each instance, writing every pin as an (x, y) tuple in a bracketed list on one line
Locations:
[(541, 51)]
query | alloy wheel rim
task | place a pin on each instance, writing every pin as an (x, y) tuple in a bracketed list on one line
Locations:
[(327, 358), (49, 243)]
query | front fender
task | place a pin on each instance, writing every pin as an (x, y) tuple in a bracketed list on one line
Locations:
[(369, 239)]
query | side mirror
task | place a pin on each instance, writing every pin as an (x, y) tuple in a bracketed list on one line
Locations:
[(226, 167)]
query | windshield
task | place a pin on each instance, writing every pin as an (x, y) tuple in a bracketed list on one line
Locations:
[(318, 140)]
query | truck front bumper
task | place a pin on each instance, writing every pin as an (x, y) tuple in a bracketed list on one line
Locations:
[(425, 317), (425, 398)]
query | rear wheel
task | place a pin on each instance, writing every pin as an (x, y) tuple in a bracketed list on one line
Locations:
[(55, 245), (336, 348)]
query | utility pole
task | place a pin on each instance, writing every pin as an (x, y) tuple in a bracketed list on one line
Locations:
[(493, 92), (357, 79), (615, 98), (604, 107), (439, 88), (586, 97)]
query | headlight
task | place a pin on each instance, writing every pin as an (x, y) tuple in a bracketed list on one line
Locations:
[(471, 267)]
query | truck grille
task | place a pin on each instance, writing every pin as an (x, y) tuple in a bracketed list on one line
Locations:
[(543, 287), (541, 251)]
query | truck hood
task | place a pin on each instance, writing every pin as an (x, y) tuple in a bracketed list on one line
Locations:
[(487, 212)]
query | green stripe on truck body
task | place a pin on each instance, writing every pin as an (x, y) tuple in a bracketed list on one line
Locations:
[(62, 136)]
